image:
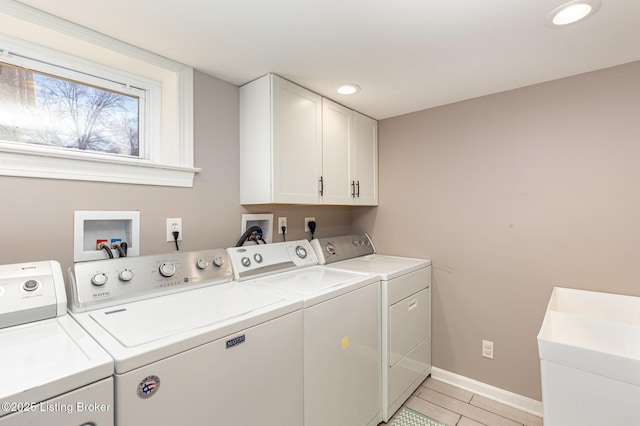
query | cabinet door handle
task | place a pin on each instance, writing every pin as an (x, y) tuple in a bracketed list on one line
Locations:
[(321, 186), (358, 191), (353, 189)]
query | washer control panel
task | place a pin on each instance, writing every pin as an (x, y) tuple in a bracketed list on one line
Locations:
[(335, 249), (102, 283), (31, 292), (251, 261)]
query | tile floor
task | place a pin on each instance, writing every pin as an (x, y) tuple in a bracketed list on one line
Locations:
[(458, 407)]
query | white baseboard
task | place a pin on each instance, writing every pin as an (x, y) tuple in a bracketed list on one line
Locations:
[(509, 398)]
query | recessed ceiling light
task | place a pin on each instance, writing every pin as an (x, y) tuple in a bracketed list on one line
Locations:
[(348, 89), (572, 12)]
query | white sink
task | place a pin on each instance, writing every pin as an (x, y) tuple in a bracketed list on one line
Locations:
[(589, 346)]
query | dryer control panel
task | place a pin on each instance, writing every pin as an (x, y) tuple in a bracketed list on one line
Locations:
[(335, 249), (31, 292), (254, 261), (102, 283)]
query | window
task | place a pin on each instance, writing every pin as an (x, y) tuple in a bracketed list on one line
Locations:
[(43, 109), (100, 110)]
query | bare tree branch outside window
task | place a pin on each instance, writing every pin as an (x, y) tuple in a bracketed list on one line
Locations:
[(41, 109)]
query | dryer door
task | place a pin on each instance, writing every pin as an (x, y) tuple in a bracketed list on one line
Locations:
[(409, 324)]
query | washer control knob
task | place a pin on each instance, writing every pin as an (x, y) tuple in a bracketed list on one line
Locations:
[(30, 285), (99, 279), (218, 261), (125, 275), (167, 269), (202, 263), (301, 252), (331, 249), (257, 257), (245, 261)]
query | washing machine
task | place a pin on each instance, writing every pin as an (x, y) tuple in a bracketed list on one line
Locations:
[(406, 311), (52, 373), (189, 345), (341, 328)]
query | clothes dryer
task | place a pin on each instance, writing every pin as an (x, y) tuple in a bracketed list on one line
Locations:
[(406, 311), (52, 373)]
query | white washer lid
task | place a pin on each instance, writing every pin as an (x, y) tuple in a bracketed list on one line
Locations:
[(388, 267), (47, 358), (314, 284), (312, 280), (145, 321)]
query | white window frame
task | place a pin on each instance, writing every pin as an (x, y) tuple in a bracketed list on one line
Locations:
[(168, 156), (47, 61)]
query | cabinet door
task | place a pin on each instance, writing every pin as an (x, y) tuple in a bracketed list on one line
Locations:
[(297, 143), (365, 163), (336, 153)]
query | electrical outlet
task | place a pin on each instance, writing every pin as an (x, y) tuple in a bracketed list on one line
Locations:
[(282, 221), (487, 349), (306, 223), (174, 224)]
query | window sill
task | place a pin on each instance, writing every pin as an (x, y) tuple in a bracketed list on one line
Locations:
[(140, 172)]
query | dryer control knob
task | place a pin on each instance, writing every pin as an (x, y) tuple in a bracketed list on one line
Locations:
[(202, 263), (331, 249), (30, 285), (218, 261), (125, 275), (257, 257), (245, 261), (167, 269), (99, 279), (301, 252)]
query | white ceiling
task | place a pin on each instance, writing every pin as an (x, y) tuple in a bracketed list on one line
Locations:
[(407, 55)]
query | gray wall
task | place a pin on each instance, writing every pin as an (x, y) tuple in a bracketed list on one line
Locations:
[(510, 195), (37, 214)]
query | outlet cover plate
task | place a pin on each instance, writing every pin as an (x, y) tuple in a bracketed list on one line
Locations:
[(306, 223), (170, 228)]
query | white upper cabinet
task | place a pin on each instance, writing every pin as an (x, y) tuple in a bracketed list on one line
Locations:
[(365, 160), (298, 148), (280, 143), (337, 127), (349, 156)]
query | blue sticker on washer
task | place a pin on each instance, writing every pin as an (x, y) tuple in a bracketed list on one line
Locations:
[(148, 386)]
